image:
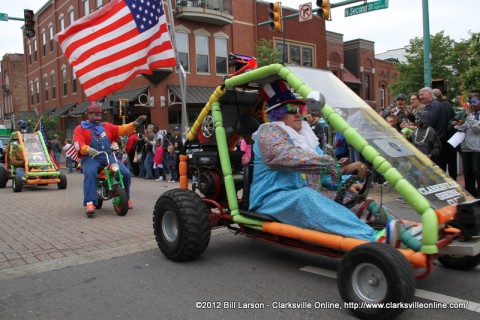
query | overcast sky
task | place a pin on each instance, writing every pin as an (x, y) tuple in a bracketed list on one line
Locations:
[(390, 28)]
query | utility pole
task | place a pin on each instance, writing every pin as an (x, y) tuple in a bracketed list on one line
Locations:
[(427, 55)]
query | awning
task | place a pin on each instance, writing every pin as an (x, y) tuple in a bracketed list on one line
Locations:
[(82, 108), (349, 77), (47, 112), (63, 110), (194, 94), (131, 95)]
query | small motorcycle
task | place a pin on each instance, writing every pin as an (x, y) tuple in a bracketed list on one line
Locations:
[(110, 186)]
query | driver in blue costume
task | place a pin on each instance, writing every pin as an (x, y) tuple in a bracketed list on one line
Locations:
[(288, 161), (92, 136)]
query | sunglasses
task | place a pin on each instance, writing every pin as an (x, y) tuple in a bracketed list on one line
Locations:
[(294, 111)]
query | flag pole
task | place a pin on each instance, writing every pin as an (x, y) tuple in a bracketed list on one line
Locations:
[(38, 122), (182, 76)]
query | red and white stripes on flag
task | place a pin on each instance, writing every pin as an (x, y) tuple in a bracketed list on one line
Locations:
[(72, 153), (115, 43)]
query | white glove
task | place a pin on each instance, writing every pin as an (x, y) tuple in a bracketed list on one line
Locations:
[(92, 152)]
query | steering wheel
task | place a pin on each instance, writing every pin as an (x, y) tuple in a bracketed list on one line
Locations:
[(354, 198)]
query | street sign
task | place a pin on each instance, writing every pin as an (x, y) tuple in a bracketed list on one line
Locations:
[(3, 17), (305, 12), (367, 7)]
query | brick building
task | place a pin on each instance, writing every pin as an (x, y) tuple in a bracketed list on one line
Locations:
[(205, 32), (12, 89)]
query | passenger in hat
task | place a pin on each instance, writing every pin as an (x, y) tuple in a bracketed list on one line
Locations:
[(92, 136), (288, 163)]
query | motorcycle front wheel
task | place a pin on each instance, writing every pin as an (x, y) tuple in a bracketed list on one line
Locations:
[(120, 201)]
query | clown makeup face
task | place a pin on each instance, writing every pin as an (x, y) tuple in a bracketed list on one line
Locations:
[(95, 118)]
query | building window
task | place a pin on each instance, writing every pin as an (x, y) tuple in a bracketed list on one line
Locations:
[(62, 23), (44, 43), (74, 82), (368, 96), (29, 53), (50, 30), (86, 7), (70, 127), (35, 50), (201, 46), (183, 49), (221, 56), (71, 15), (382, 97), (99, 3), (64, 78), (37, 84), (32, 93), (54, 84), (296, 53), (45, 81), (307, 54)]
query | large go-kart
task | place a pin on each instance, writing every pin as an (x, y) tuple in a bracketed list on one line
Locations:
[(39, 168), (368, 272)]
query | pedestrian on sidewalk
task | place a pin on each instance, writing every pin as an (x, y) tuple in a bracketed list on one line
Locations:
[(158, 161), (69, 161), (172, 163)]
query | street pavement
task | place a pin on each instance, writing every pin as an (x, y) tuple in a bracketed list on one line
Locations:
[(43, 228)]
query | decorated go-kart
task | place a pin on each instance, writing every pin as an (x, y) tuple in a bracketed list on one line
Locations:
[(368, 272), (39, 168)]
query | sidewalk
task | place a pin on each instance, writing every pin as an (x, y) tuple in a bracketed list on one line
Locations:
[(42, 225)]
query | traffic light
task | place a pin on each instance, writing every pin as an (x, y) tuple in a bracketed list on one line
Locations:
[(29, 23), (275, 15), (115, 107), (324, 10)]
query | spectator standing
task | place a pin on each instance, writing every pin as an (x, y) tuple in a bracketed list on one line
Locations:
[(471, 145), (439, 119), (56, 148), (314, 123), (69, 161), (149, 155), (158, 161), (448, 153), (140, 150), (130, 151), (172, 164), (177, 137), (341, 147), (424, 137)]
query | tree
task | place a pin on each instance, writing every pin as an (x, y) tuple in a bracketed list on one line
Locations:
[(457, 63), (267, 53), (468, 54), (411, 77)]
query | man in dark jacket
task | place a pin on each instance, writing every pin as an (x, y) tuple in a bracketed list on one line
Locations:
[(313, 121)]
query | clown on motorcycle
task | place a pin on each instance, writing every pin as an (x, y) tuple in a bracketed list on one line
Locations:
[(89, 138)]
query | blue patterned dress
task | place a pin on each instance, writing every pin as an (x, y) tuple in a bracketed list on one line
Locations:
[(280, 188)]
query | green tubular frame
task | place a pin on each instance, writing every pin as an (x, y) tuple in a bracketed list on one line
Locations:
[(414, 198)]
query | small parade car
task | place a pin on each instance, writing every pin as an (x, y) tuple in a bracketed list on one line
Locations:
[(39, 168), (368, 272)]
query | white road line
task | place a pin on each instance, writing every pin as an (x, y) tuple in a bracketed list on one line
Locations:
[(428, 295)]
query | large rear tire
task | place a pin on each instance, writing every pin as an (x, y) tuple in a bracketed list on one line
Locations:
[(375, 273), (120, 201), (17, 184), (181, 225), (464, 263), (63, 181), (3, 177)]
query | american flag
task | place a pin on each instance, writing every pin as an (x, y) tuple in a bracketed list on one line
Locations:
[(109, 47), (72, 153), (43, 129)]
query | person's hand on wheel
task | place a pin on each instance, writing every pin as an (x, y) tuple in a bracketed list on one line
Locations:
[(357, 168), (92, 152)]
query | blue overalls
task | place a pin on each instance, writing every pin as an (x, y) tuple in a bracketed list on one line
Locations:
[(90, 167)]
